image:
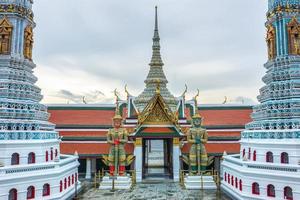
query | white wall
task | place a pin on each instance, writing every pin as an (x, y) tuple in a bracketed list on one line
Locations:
[(23, 148)]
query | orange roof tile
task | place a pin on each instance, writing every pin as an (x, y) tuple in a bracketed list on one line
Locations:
[(217, 148), (90, 148), (81, 117), (212, 117), (226, 117), (224, 133), (83, 133)]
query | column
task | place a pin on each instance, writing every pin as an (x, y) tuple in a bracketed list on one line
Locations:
[(138, 152), (88, 173), (176, 154), (94, 169)]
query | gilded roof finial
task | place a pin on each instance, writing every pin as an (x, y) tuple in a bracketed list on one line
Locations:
[(197, 95), (196, 114), (116, 93), (185, 91), (117, 111), (225, 100), (83, 100), (127, 92)]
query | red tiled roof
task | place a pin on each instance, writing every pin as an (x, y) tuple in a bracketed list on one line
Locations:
[(224, 133), (212, 117), (225, 117), (217, 148), (90, 148), (81, 117), (83, 133)]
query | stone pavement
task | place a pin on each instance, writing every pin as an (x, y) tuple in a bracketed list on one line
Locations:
[(153, 190)]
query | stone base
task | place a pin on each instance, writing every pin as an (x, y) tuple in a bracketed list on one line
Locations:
[(196, 182), (121, 183)]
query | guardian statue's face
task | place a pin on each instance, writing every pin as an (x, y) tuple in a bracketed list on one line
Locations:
[(117, 123), (197, 122)]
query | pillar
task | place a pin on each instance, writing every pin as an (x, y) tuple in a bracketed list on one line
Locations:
[(88, 173), (138, 152), (176, 163), (94, 169)]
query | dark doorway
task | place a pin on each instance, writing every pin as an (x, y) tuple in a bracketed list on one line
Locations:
[(82, 166), (158, 158)]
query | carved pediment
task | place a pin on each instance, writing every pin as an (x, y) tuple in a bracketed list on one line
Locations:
[(5, 36), (5, 23), (157, 115), (157, 112), (5, 27)]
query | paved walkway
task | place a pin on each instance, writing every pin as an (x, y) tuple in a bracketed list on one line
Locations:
[(149, 191)]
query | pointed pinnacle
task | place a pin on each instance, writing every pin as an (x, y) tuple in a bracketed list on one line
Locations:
[(156, 35), (156, 57), (156, 21)]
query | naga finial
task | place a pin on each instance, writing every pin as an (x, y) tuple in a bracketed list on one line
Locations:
[(83, 100), (116, 93), (196, 97), (127, 92), (185, 91), (117, 111), (225, 100), (196, 114)]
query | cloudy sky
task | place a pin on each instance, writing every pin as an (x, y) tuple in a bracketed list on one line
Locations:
[(90, 47)]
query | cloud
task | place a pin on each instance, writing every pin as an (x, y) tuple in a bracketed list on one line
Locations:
[(85, 98), (243, 100), (69, 96), (217, 46)]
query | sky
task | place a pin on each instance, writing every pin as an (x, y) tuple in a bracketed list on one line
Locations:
[(87, 48)]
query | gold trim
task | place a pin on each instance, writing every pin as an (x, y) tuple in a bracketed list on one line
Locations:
[(176, 141), (293, 36), (28, 43), (138, 142), (5, 36), (271, 42), (157, 112)]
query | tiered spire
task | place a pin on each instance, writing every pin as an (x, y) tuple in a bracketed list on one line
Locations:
[(273, 137), (156, 75), (277, 116), (156, 57)]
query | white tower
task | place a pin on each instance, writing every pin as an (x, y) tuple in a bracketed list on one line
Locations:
[(31, 166)]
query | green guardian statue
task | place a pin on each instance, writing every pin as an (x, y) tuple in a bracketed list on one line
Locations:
[(117, 137), (197, 137)]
